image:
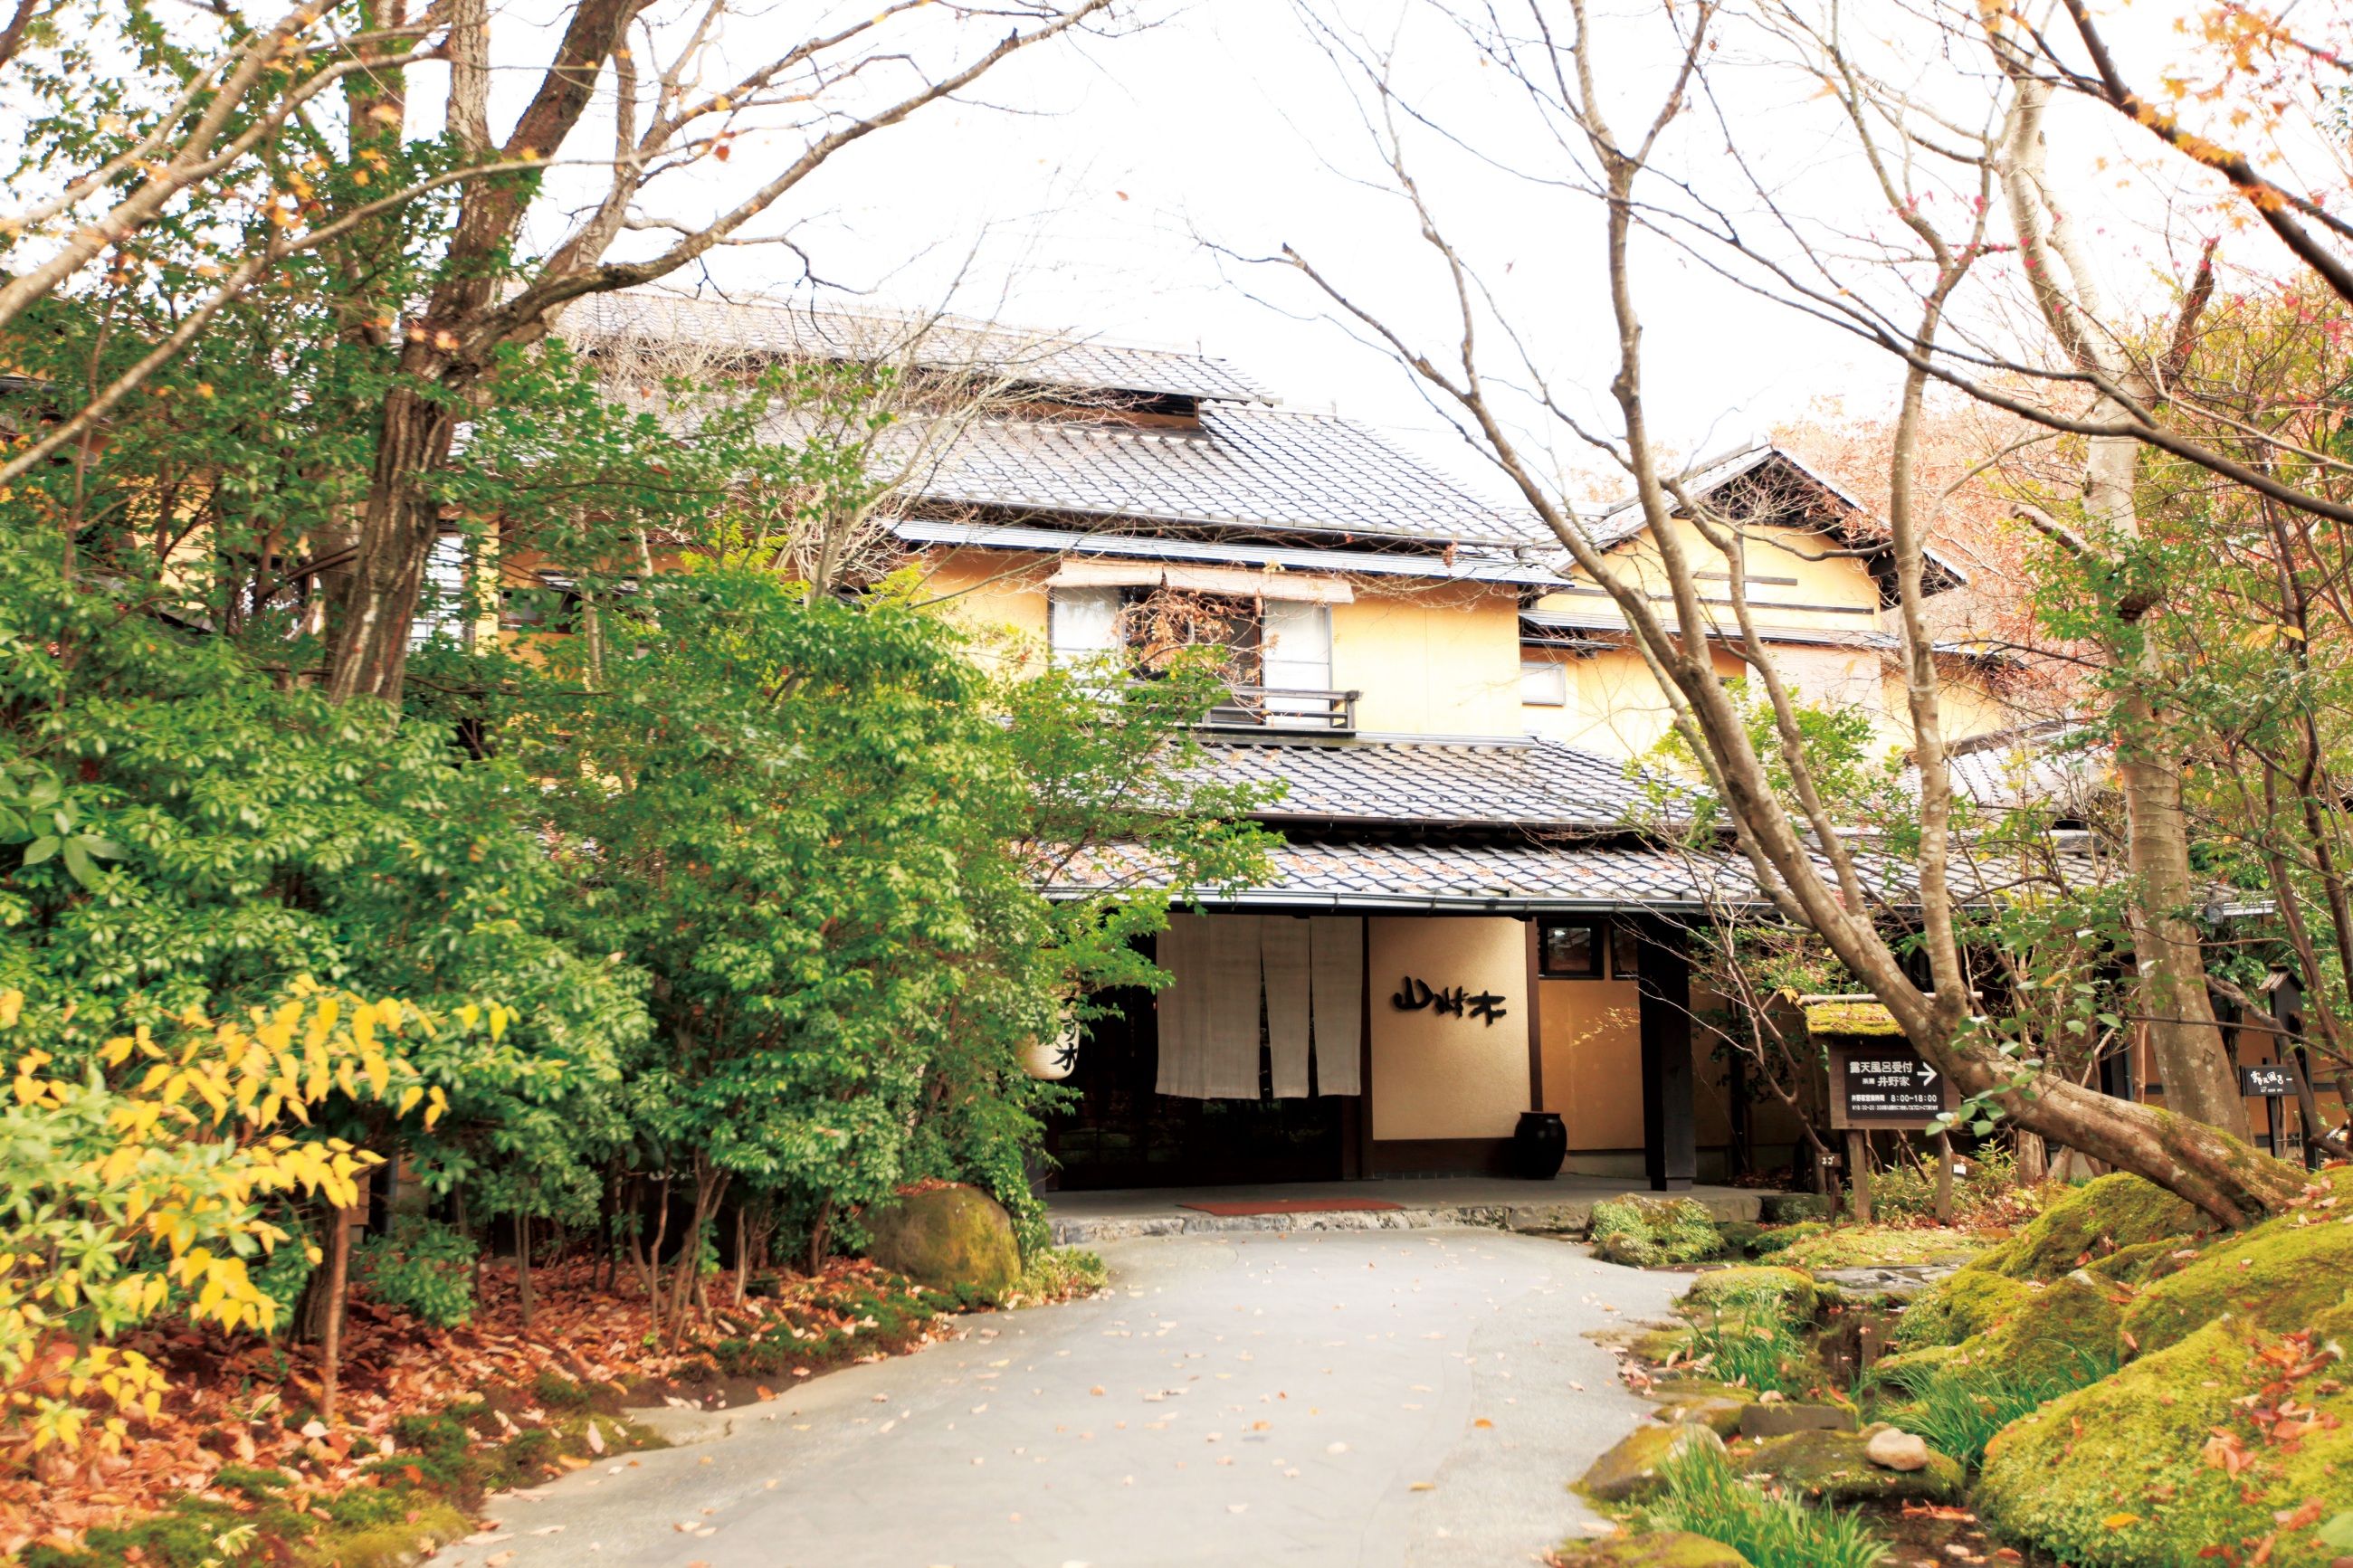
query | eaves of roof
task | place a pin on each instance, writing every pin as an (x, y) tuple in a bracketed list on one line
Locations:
[(1569, 620), (1467, 566)]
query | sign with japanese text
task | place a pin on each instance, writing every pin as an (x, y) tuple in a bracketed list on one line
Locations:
[(2273, 1080), (1417, 994), (1885, 1086)]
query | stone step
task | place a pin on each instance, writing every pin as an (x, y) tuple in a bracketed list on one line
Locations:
[(1571, 1215)]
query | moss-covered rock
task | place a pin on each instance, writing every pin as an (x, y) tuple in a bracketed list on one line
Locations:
[(2130, 1471), (1875, 1246), (1675, 1388), (2101, 1216), (1630, 1470), (1661, 1345), (1905, 1368), (2280, 1276), (1956, 1307), (946, 1238), (1775, 1240), (2063, 1332), (1835, 1466), (1740, 1236), (1643, 1233), (1720, 1289), (1654, 1549), (1718, 1413), (2144, 1261)]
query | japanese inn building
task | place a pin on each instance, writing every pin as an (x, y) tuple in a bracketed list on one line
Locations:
[(1462, 924)]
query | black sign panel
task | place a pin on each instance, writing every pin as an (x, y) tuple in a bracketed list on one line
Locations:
[(1888, 1086), (2272, 1080)]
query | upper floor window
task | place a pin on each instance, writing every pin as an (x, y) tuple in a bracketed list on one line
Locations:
[(1544, 685), (1280, 644)]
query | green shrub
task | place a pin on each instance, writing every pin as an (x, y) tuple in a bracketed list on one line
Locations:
[(1644, 1231), (423, 1266), (1061, 1272), (1706, 1497), (1771, 1241)]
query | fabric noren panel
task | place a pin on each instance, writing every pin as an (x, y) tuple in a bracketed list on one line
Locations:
[(1336, 966), (1283, 956)]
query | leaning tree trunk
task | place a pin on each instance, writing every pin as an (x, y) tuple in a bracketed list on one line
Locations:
[(2225, 1176)]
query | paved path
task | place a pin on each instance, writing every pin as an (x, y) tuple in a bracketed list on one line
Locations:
[(1311, 1399)]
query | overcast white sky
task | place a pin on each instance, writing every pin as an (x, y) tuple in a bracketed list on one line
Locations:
[(1089, 206)]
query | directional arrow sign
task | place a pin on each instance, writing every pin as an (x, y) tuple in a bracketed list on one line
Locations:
[(1885, 1086)]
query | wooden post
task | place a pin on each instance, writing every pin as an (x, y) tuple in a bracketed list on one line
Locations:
[(1669, 1153), (1535, 1016), (1944, 1178), (1858, 1173)]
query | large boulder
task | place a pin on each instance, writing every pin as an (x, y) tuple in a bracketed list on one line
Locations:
[(1836, 1467), (1630, 1471), (2190, 1449), (946, 1238), (1643, 1233), (2099, 1217), (2281, 1275), (1653, 1549)]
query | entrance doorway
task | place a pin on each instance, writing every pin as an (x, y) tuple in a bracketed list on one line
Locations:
[(1123, 1134)]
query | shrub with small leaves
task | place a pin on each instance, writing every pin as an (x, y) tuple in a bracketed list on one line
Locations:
[(424, 1268)]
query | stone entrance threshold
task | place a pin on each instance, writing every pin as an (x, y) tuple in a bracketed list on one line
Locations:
[(1564, 1204)]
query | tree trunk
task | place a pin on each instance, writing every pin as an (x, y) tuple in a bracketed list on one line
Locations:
[(709, 1186), (2183, 1036), (820, 1230), (377, 596), (331, 1342), (2033, 1157), (522, 1265)]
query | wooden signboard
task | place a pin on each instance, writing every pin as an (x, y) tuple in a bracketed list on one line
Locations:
[(2272, 1080), (1885, 1084)]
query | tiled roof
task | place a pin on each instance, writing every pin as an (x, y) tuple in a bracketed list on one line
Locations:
[(1246, 467), (1414, 874), (803, 331), (1537, 783)]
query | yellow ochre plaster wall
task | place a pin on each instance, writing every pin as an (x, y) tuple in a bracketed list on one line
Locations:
[(1591, 1031), (1435, 1075), (1433, 659)]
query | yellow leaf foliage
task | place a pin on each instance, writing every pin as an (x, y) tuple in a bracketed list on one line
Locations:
[(144, 1186)]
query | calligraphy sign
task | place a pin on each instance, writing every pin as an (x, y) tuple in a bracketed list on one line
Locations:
[(1417, 994), (1885, 1086), (2273, 1080)]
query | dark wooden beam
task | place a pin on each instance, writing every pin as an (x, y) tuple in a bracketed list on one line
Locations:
[(1669, 1153)]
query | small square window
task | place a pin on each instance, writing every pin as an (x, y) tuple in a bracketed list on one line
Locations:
[(1544, 685), (1570, 950)]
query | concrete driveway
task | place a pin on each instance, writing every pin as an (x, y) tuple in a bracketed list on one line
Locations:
[(1335, 1398)]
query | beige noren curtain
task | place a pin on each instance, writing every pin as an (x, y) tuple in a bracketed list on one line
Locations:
[(1282, 954), (1336, 969)]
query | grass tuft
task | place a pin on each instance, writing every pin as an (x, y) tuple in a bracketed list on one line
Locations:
[(1958, 1407), (1706, 1497), (1746, 1338)]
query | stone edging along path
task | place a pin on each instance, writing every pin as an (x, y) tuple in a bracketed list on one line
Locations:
[(1570, 1216)]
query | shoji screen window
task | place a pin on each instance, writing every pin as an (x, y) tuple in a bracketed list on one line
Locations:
[(1295, 652)]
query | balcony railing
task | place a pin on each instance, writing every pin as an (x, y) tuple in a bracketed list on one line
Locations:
[(1270, 708)]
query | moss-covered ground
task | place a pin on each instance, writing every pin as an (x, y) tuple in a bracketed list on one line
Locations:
[(2129, 1388)]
